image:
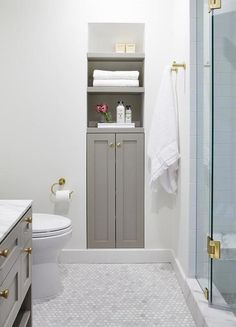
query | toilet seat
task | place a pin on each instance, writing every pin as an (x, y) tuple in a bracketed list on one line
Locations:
[(51, 234), (46, 225)]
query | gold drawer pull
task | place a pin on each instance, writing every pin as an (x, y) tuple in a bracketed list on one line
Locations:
[(118, 145), (4, 253), (28, 220), (28, 250), (4, 294)]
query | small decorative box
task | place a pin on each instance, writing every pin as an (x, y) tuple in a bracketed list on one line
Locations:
[(130, 47), (120, 47)]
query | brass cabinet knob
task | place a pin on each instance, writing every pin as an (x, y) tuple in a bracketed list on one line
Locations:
[(4, 294), (28, 250), (4, 253), (111, 145), (118, 145), (28, 220)]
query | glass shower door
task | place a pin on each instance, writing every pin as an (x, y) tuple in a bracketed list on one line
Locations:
[(223, 214), (204, 135)]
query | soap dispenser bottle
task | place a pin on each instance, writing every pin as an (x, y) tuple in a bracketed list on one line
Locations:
[(120, 112), (128, 115)]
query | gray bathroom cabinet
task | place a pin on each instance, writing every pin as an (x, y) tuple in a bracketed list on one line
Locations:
[(115, 189), (115, 157)]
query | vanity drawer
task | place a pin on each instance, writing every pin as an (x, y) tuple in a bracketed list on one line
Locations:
[(9, 251), (10, 288), (26, 227), (26, 268)]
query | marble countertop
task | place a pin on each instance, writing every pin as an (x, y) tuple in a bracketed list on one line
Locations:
[(10, 213)]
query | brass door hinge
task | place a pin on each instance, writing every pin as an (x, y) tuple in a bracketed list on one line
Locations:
[(214, 4), (206, 293), (213, 248)]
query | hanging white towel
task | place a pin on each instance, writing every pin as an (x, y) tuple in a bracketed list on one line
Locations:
[(163, 147)]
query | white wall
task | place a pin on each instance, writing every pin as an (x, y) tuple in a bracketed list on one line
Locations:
[(43, 101)]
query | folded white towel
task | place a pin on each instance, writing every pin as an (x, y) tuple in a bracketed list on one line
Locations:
[(115, 82), (163, 148), (106, 74)]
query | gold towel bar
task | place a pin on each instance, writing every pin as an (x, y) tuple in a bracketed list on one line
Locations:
[(60, 182), (176, 66)]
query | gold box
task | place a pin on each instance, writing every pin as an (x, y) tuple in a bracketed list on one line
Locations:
[(120, 47), (130, 47)]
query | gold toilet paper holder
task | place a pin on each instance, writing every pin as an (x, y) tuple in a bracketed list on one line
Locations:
[(60, 182)]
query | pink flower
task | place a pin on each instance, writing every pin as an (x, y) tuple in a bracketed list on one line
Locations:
[(103, 108)]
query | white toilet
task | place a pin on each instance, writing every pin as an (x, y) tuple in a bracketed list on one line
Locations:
[(50, 235)]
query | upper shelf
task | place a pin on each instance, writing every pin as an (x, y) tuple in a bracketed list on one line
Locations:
[(116, 56), (115, 89)]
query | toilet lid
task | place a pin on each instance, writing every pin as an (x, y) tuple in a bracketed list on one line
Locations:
[(43, 223)]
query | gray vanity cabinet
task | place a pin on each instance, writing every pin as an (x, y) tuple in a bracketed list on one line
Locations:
[(115, 190), (15, 275)]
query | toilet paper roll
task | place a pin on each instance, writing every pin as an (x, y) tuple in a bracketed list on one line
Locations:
[(62, 201)]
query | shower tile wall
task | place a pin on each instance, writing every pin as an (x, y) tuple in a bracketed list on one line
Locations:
[(225, 142), (225, 124)]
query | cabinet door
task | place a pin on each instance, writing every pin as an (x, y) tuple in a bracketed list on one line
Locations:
[(11, 244), (129, 190), (10, 306), (101, 190), (26, 268)]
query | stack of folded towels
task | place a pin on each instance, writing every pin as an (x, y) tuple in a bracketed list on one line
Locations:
[(115, 78)]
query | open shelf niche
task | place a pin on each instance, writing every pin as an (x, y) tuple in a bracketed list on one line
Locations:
[(101, 55)]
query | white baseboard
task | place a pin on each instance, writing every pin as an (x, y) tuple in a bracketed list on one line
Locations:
[(180, 275), (115, 256)]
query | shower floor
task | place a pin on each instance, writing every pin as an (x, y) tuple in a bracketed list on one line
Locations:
[(116, 295)]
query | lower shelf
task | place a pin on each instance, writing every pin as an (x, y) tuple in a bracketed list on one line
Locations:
[(95, 130)]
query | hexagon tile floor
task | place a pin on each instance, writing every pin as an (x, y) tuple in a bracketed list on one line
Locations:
[(115, 295)]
